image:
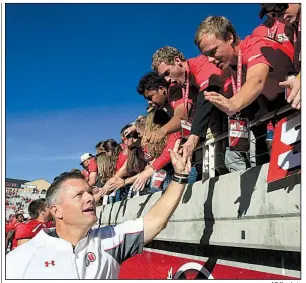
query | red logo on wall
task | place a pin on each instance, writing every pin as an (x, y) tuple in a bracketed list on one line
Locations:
[(286, 148)]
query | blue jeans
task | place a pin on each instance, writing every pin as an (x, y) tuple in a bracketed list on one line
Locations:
[(192, 178)]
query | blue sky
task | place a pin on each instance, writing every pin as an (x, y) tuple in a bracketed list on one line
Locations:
[(72, 72)]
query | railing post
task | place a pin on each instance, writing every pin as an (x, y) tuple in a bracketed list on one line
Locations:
[(211, 159), (252, 148), (205, 174)]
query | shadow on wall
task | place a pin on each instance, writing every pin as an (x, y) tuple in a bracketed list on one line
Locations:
[(143, 205), (286, 184), (248, 181), (209, 220)]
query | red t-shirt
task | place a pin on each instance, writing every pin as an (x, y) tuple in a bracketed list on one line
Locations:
[(201, 69), (255, 50), (27, 230), (164, 158), (14, 241), (92, 167), (121, 160), (277, 31), (85, 173)]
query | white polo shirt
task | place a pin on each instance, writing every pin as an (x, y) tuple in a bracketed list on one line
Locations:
[(97, 256)]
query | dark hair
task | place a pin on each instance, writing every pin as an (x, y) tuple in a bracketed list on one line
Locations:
[(99, 144), (112, 146), (18, 214), (36, 206), (161, 117), (55, 178), (151, 81), (135, 162), (52, 192), (75, 170), (124, 128)]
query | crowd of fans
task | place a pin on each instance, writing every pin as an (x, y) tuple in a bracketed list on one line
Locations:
[(231, 79)]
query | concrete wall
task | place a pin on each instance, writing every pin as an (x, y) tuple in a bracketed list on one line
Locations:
[(239, 209)]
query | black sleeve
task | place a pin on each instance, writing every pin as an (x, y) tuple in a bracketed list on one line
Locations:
[(202, 116), (175, 93)]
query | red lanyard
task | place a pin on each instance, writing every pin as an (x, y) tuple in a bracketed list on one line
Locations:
[(239, 74), (299, 29), (186, 91), (273, 32)]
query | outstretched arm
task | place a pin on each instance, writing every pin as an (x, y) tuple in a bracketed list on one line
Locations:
[(158, 216)]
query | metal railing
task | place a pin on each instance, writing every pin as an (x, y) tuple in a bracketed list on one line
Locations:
[(208, 147)]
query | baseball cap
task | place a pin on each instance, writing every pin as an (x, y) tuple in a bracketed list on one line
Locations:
[(268, 7), (84, 157)]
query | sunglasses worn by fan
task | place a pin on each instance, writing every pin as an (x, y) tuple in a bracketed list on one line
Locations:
[(133, 135)]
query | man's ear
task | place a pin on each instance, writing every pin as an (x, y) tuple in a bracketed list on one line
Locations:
[(56, 211), (231, 39), (177, 60), (162, 90)]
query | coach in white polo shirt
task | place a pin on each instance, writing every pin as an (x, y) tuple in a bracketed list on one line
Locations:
[(73, 250)]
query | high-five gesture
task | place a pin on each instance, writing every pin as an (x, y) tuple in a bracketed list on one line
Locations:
[(180, 163)]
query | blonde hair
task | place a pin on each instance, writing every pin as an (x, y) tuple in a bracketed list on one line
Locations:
[(106, 166), (166, 54), (219, 26), (154, 149), (141, 121)]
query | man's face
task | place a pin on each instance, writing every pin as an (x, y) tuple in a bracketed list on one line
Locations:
[(287, 16), (86, 163), (77, 205), (157, 97), (218, 51), (174, 72), (20, 218)]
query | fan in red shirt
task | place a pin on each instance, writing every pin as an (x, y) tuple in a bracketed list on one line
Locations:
[(290, 15), (171, 63), (266, 63), (278, 31), (90, 171), (40, 218), (10, 229)]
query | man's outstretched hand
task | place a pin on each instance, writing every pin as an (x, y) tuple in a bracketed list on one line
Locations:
[(295, 92), (180, 163)]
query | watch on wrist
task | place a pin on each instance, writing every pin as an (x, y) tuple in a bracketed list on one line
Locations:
[(180, 180)]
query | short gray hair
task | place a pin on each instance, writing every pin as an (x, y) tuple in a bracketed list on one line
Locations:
[(52, 196)]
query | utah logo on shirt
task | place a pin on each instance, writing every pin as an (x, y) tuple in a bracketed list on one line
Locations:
[(89, 257)]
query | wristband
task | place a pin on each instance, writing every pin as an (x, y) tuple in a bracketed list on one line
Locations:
[(181, 174), (180, 180)]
